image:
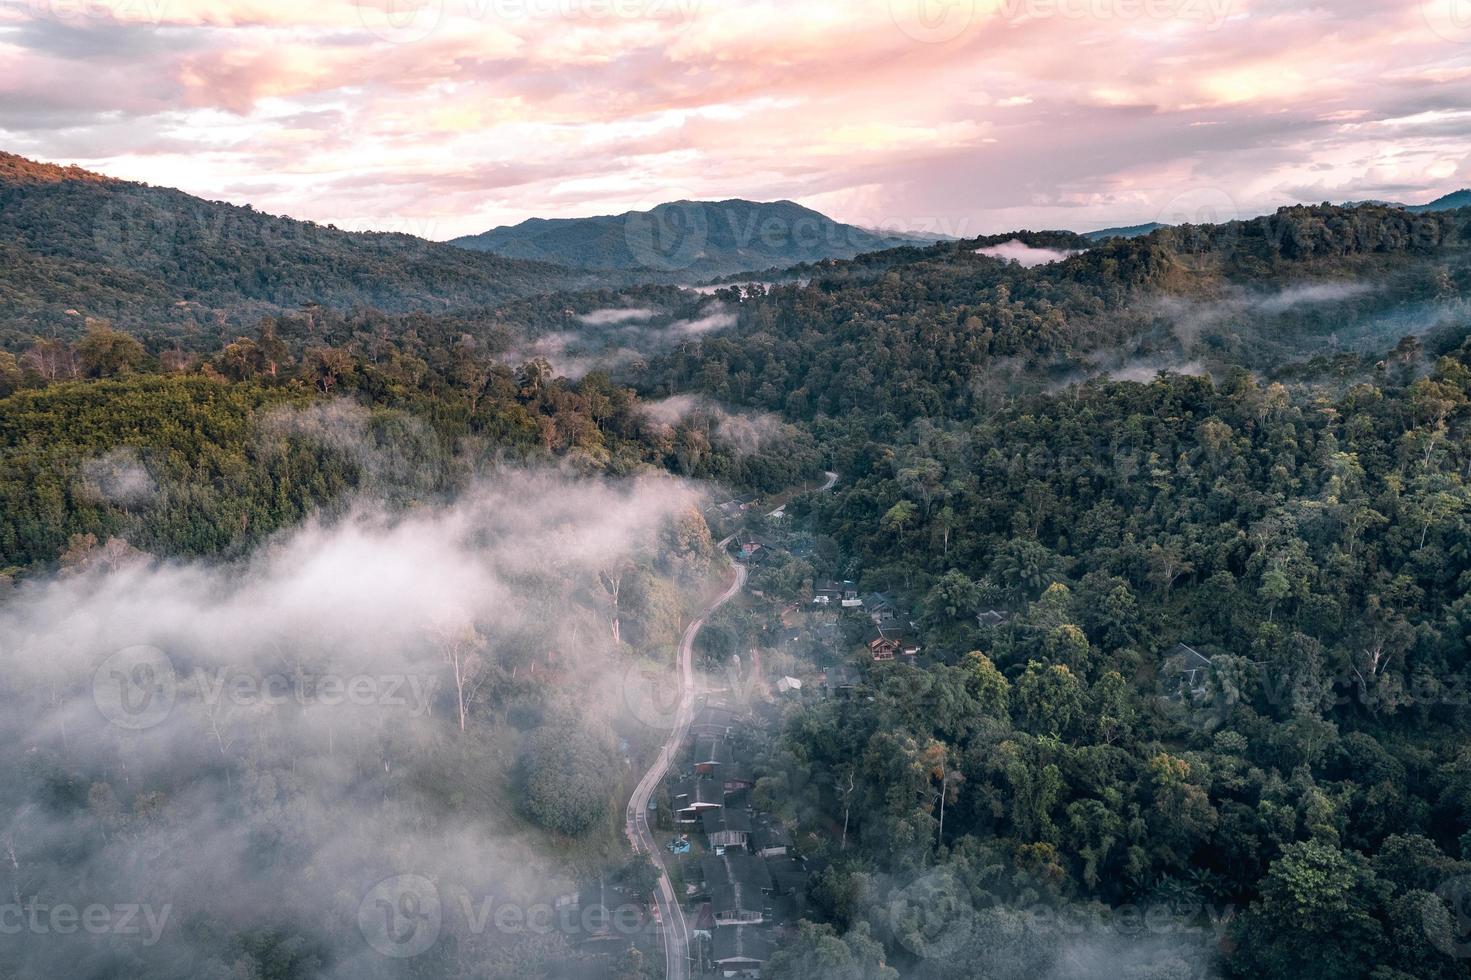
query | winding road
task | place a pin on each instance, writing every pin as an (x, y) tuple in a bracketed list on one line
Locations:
[(636, 819), (640, 834), (832, 478)]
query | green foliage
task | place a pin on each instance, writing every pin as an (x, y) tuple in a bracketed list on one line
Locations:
[(564, 778), (174, 465), (817, 952)]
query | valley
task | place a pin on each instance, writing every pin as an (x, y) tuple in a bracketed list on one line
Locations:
[(1141, 592)]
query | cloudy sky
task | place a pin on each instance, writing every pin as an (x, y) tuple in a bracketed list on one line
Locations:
[(443, 117)]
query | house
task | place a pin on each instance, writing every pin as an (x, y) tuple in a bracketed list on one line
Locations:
[(703, 921), (887, 646), (883, 648), (881, 608), (739, 799), (788, 874), (736, 779), (713, 719), (771, 840), (694, 796), (738, 884), (749, 545), (789, 685), (711, 753), (740, 950), (830, 593), (1185, 671), (726, 828), (993, 618)]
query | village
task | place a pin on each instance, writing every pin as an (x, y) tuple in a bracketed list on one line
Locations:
[(792, 639), (739, 870)]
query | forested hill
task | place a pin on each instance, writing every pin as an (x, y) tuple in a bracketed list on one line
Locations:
[(699, 240), (132, 253), (1191, 650), (938, 331)]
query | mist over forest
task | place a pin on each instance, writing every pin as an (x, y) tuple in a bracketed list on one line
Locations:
[(668, 491), (246, 748)]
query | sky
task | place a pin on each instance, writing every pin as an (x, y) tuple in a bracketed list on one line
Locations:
[(963, 117)]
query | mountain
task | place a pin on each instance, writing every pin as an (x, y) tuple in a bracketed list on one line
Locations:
[(1131, 231), (132, 253), (693, 240), (1446, 202), (1449, 202)]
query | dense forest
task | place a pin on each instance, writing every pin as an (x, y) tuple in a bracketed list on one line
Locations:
[(942, 332), (212, 457), (1310, 547), (1212, 484), (1224, 677)]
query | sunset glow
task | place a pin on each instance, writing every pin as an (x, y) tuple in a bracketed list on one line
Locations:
[(445, 117)]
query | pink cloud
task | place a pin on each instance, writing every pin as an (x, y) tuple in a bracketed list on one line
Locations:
[(479, 112)]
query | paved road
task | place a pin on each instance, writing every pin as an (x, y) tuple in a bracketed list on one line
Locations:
[(832, 479), (640, 834), (636, 820)]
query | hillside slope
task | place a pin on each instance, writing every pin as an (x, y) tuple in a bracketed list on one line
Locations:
[(133, 253)]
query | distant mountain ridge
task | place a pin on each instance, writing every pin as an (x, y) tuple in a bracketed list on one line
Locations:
[(1447, 202), (1128, 231), (697, 239), (75, 244)]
